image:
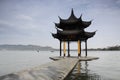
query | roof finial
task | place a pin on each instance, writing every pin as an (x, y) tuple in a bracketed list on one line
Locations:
[(72, 12), (72, 16), (80, 18), (59, 18)]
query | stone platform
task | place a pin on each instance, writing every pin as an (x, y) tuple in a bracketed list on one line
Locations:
[(89, 58)]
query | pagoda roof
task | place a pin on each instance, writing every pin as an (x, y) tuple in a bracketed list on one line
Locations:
[(69, 32), (72, 18), (72, 29), (73, 35), (72, 22), (89, 34)]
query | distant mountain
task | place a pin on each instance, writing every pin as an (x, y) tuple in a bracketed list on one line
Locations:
[(47, 48), (110, 48), (25, 47)]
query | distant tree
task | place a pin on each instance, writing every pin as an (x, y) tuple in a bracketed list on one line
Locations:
[(114, 47)]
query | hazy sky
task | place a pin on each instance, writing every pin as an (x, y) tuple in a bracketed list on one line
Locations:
[(32, 21)]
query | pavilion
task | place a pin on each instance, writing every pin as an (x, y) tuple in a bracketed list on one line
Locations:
[(72, 29)]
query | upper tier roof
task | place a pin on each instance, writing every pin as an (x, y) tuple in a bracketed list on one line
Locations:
[(71, 19), (72, 23)]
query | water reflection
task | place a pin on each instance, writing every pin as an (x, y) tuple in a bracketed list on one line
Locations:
[(82, 72)]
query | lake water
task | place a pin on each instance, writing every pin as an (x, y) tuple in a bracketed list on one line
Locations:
[(105, 68)]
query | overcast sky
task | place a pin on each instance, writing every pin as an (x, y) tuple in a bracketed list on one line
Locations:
[(32, 21)]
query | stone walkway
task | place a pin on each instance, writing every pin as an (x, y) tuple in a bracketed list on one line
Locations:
[(55, 70)]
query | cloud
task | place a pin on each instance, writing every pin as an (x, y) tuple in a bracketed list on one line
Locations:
[(6, 29), (24, 17), (3, 22), (118, 2), (33, 20)]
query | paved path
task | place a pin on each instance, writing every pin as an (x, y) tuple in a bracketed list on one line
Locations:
[(55, 70)]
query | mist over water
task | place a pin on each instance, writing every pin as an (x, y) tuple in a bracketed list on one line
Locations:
[(105, 68)]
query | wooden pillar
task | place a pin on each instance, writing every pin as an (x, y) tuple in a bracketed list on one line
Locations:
[(85, 48), (64, 48), (60, 47), (68, 49), (79, 48)]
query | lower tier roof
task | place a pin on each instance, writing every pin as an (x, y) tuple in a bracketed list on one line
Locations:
[(73, 36)]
